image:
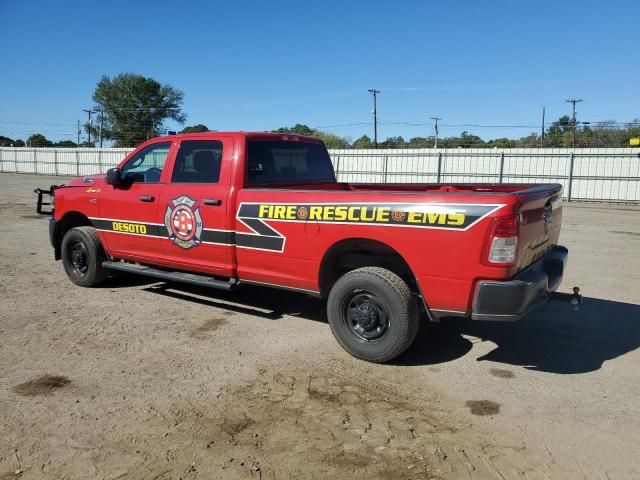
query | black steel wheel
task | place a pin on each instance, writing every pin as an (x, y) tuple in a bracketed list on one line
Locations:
[(366, 315), (373, 314), (79, 257), (82, 257)]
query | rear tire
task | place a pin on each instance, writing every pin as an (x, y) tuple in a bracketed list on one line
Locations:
[(82, 257), (373, 314)]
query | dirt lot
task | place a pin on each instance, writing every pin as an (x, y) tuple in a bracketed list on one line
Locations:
[(140, 379)]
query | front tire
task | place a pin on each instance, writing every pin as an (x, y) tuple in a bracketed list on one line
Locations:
[(373, 314), (82, 257)]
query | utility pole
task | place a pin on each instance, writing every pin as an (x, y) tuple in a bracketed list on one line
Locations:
[(435, 129), (542, 130), (78, 133), (101, 123), (375, 115), (89, 112), (573, 102)]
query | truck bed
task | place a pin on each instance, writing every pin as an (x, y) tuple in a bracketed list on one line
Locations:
[(493, 188)]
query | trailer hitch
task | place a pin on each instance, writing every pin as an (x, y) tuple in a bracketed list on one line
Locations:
[(575, 298)]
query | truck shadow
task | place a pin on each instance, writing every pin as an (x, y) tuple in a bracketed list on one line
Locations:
[(262, 302), (552, 338), (433, 345)]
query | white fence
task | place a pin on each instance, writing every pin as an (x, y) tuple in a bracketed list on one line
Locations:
[(598, 174), (60, 161)]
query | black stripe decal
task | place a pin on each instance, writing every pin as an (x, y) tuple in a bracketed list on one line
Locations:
[(260, 242), (223, 237), (267, 238), (260, 227)]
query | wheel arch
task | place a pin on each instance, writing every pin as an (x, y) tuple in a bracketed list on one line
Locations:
[(352, 253), (68, 221)]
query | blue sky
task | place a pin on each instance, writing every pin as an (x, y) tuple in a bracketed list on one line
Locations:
[(261, 65)]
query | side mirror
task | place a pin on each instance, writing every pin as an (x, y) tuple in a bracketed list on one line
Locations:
[(114, 176)]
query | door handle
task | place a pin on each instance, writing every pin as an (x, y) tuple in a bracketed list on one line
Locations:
[(146, 198), (216, 202)]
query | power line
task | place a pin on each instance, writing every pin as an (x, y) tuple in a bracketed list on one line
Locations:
[(344, 125), (407, 123), (32, 123), (459, 125)]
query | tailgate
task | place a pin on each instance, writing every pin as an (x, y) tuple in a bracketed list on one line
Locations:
[(540, 218)]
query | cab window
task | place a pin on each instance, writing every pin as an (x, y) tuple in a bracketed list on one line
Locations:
[(273, 162), (146, 166), (198, 161)]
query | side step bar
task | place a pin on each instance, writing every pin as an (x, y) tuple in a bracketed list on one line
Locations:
[(201, 280)]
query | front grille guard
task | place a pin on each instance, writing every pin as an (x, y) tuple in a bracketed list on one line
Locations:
[(45, 202)]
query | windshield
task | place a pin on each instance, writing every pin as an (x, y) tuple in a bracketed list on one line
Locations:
[(288, 162)]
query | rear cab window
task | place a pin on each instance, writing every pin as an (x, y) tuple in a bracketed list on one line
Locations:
[(276, 162)]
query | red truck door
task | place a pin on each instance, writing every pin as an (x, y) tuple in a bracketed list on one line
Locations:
[(129, 222), (194, 206)]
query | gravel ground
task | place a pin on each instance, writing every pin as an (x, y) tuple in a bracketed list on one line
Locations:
[(140, 379)]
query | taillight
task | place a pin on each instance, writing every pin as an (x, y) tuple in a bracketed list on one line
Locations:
[(501, 246)]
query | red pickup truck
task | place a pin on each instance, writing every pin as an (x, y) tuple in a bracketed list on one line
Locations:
[(227, 209)]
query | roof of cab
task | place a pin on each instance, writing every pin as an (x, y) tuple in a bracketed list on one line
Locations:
[(263, 135)]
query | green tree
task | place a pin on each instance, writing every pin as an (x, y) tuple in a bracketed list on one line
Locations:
[(330, 140), (6, 142), (65, 144), (363, 142), (135, 108), (557, 133), (199, 128), (421, 142), (530, 141), (631, 132), (299, 129), (501, 143), (38, 140), (465, 140), (333, 141), (393, 142), (470, 141)]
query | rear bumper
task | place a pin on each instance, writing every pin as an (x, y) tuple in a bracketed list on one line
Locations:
[(512, 299)]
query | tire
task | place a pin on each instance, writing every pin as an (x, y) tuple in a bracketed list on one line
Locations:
[(373, 314), (82, 257)]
